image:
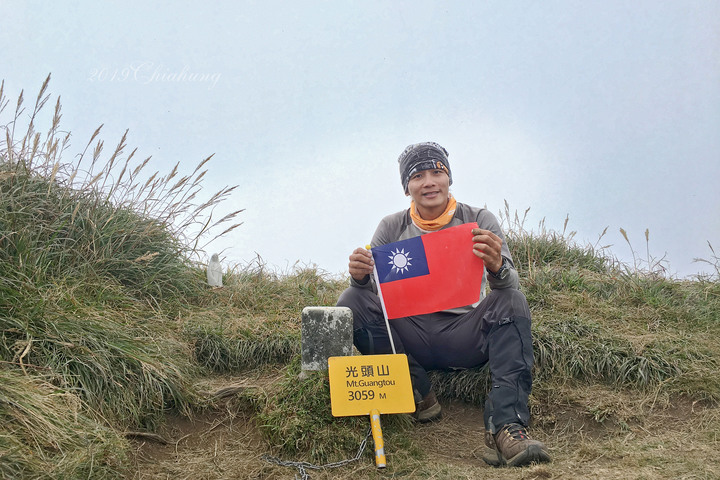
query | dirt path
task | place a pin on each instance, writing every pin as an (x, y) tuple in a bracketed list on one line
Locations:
[(226, 445)]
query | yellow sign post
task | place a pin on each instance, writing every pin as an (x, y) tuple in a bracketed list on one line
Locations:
[(371, 385), (377, 438)]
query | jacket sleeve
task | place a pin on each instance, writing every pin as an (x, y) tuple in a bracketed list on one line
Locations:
[(388, 231), (368, 285), (487, 221)]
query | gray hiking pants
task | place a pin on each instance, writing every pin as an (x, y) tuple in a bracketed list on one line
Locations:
[(496, 332)]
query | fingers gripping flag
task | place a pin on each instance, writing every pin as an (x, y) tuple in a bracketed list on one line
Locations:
[(429, 273)]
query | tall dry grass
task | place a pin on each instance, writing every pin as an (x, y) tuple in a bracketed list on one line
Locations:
[(47, 434), (98, 257)]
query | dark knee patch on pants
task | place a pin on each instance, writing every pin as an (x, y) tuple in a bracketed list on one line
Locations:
[(363, 341)]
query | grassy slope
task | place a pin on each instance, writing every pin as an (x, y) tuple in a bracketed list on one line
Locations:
[(106, 327)]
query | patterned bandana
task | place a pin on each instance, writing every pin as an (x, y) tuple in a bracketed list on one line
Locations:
[(435, 223), (422, 156)]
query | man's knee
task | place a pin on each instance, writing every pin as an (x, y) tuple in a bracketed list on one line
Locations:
[(364, 304), (369, 329), (353, 297), (510, 301), (347, 298)]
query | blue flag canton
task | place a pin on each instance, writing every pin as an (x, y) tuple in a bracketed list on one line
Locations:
[(400, 260)]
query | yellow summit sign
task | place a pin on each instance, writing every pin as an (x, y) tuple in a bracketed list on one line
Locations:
[(359, 384)]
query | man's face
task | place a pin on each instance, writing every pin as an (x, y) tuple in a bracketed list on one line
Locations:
[(429, 189)]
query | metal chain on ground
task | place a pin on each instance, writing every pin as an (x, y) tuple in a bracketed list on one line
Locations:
[(301, 466)]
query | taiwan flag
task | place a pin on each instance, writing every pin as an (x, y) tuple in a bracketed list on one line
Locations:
[(435, 271)]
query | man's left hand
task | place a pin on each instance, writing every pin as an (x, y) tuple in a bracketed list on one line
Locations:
[(487, 246)]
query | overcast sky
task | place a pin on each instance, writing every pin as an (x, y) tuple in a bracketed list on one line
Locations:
[(604, 111)]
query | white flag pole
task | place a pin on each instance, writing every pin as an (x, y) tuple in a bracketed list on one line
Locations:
[(382, 303)]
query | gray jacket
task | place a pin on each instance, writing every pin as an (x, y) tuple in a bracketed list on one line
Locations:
[(399, 226)]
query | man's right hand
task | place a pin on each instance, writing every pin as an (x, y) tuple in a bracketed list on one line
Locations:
[(361, 264)]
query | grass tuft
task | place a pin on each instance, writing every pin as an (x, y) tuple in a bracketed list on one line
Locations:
[(46, 434), (222, 353), (296, 421)]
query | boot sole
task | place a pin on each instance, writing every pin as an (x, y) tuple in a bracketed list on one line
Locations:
[(430, 414), (532, 454)]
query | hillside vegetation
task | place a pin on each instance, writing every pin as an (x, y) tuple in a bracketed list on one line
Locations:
[(109, 335)]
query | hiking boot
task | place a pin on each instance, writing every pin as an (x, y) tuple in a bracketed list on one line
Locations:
[(513, 446), (428, 409)]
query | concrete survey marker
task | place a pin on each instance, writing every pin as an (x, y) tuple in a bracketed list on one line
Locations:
[(326, 332)]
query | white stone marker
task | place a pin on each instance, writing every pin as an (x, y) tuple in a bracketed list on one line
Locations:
[(326, 332), (214, 271)]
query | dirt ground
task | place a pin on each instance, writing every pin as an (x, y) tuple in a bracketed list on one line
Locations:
[(673, 442)]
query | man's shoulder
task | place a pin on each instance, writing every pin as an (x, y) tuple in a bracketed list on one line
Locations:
[(468, 212), (397, 217), (395, 222), (484, 217), (391, 227)]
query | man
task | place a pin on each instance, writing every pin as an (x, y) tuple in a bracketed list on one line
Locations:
[(496, 330)]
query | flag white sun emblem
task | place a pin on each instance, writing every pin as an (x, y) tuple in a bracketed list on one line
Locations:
[(400, 260)]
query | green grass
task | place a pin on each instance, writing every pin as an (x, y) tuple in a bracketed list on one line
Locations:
[(107, 325), (296, 421), (46, 434)]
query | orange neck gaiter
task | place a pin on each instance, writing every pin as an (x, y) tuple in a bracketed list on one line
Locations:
[(435, 223)]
